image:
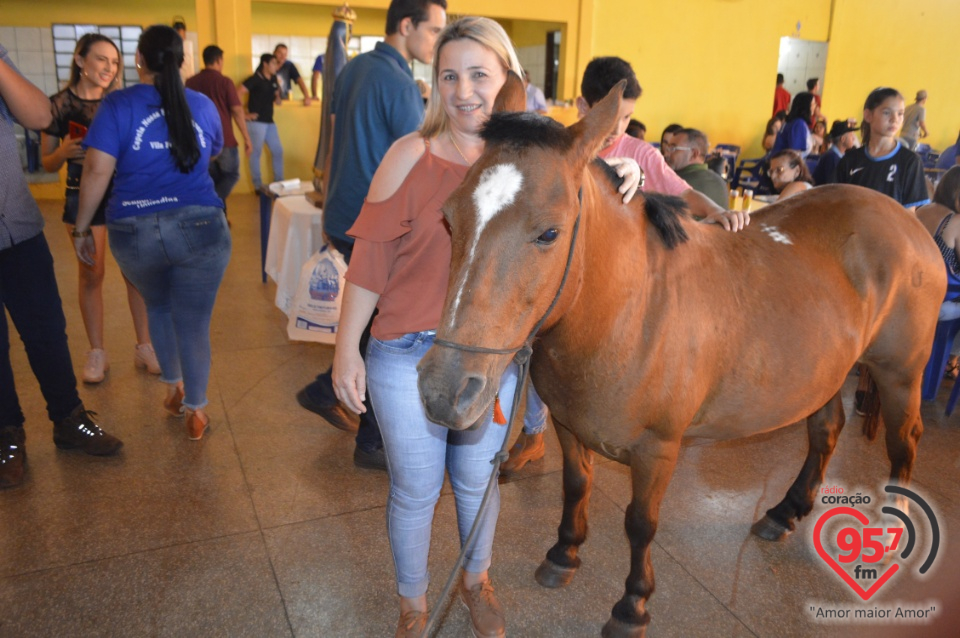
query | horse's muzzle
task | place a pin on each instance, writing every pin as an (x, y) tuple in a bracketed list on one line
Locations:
[(452, 396)]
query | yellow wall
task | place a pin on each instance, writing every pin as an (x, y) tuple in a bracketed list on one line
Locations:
[(312, 20), (708, 64), (31, 13), (910, 45), (525, 33)]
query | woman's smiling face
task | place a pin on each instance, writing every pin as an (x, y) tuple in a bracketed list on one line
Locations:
[(469, 78), (100, 65)]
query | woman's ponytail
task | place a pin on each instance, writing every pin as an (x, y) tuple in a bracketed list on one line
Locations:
[(162, 51)]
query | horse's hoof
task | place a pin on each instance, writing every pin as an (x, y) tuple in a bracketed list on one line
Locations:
[(617, 629), (551, 575), (768, 529)]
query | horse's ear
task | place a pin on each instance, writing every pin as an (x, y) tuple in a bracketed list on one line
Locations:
[(597, 125), (512, 96)]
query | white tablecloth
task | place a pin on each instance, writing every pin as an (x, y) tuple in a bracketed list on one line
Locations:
[(296, 232)]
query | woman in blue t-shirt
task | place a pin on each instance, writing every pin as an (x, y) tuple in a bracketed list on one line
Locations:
[(165, 223), (796, 133)]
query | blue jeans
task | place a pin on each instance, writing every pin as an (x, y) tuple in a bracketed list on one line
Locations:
[(28, 290), (263, 133), (225, 171), (418, 450), (176, 258), (535, 418)]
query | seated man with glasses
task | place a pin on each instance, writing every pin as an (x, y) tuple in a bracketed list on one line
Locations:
[(686, 154)]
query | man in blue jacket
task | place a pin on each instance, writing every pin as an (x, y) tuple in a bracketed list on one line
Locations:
[(375, 102)]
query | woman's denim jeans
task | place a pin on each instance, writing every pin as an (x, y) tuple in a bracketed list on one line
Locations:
[(535, 417), (265, 133), (176, 258), (418, 450)]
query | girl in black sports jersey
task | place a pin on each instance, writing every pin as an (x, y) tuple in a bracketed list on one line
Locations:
[(882, 163)]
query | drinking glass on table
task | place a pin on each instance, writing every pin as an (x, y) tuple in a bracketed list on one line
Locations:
[(735, 199)]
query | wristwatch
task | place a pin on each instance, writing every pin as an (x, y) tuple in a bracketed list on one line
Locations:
[(80, 233)]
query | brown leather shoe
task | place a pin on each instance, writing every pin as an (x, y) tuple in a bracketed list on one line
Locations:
[(174, 405), (197, 424), (527, 449), (486, 616), (412, 624), (334, 414)]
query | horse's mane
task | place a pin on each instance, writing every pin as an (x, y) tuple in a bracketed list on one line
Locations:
[(524, 130), (663, 211)]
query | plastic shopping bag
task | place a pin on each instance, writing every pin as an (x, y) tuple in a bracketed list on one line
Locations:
[(315, 311)]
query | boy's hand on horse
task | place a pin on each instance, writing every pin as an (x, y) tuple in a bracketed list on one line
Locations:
[(730, 219), (631, 173)]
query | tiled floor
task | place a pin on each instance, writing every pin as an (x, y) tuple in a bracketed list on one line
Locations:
[(265, 528)]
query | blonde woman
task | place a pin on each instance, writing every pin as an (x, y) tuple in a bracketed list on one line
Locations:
[(94, 73), (402, 253)]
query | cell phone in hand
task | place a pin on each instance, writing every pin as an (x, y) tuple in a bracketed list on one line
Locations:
[(77, 131)]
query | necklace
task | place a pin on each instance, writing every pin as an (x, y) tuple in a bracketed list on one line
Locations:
[(456, 146)]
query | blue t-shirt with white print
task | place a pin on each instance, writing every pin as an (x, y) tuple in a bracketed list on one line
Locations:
[(130, 127)]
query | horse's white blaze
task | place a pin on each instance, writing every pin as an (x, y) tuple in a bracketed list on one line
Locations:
[(497, 189), (774, 233)]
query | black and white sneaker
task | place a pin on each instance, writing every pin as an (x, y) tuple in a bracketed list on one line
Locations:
[(12, 456), (80, 432)]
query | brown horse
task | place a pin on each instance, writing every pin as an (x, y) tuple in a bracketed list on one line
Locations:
[(669, 328)]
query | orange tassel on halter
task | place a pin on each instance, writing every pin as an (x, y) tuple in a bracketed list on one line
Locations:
[(498, 417)]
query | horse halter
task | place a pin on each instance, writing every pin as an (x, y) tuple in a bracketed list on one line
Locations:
[(523, 351), (522, 359)]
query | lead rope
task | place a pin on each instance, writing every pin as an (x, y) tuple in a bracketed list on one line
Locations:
[(523, 369), (522, 359)]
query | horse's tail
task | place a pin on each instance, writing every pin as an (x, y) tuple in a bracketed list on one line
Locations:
[(870, 407)]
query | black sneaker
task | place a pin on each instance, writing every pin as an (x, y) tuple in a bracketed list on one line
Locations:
[(80, 431), (12, 456), (858, 398), (336, 415), (375, 460)]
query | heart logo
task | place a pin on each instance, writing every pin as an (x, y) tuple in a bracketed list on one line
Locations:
[(829, 560)]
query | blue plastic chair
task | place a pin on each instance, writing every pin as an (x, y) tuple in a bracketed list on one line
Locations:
[(266, 210), (747, 174), (942, 344), (933, 373), (947, 158), (732, 148), (952, 401)]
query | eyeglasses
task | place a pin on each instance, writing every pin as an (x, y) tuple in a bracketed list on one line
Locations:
[(670, 148), (781, 169)]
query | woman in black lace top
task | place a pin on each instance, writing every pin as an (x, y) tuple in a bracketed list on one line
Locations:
[(95, 71)]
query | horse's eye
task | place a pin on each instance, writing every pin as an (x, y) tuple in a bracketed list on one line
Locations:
[(548, 237)]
